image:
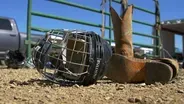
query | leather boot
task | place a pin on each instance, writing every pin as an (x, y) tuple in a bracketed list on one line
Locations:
[(123, 32), (123, 67)]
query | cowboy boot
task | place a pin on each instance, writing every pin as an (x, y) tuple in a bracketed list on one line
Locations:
[(123, 67)]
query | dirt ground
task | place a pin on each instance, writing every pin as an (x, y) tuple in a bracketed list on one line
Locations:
[(26, 86)]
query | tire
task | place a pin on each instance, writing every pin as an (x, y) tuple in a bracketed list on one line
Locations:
[(13, 65)]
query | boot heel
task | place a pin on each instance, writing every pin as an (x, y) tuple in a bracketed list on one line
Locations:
[(158, 72), (173, 64)]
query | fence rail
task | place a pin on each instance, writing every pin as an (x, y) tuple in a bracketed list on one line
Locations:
[(30, 13)]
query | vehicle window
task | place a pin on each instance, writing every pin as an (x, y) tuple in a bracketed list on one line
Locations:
[(5, 24)]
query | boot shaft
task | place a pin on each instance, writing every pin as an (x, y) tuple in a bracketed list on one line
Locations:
[(123, 31)]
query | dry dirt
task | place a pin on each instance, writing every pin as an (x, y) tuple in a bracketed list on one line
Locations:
[(26, 86)]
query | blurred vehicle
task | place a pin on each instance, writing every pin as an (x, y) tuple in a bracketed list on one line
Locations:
[(11, 39)]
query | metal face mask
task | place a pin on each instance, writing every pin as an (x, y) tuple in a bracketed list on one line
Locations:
[(72, 57)]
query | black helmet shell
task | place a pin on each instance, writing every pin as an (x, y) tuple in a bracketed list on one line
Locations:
[(79, 57)]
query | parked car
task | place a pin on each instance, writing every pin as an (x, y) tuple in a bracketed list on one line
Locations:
[(11, 38)]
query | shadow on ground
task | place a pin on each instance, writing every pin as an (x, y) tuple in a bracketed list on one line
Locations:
[(3, 67), (34, 82)]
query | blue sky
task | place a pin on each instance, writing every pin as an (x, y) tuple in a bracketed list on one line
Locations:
[(17, 9)]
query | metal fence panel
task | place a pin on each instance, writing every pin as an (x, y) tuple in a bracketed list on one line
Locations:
[(30, 13)]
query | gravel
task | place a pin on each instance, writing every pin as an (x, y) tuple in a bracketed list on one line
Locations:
[(20, 86)]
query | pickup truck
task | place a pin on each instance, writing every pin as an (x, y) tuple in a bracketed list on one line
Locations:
[(11, 38)]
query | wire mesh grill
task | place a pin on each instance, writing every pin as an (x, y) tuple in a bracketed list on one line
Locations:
[(63, 56)]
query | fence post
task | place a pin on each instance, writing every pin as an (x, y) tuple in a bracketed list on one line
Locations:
[(29, 8), (110, 29), (157, 27)]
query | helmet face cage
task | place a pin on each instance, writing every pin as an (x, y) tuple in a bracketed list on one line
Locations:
[(70, 57)]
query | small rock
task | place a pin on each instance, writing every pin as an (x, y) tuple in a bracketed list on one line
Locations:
[(138, 99), (173, 81), (180, 91), (35, 84), (167, 98), (111, 94), (159, 100), (29, 91), (120, 88), (15, 82), (92, 87), (47, 91), (143, 84), (134, 100), (121, 99), (16, 98), (12, 86), (76, 85), (116, 85), (62, 97), (48, 96), (24, 83), (107, 98), (158, 84), (41, 102), (131, 100), (24, 99), (55, 85)]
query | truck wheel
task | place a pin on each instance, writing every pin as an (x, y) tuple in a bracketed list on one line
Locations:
[(12, 65)]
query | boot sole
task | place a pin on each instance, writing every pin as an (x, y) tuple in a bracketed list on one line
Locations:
[(171, 63), (123, 69), (158, 72)]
